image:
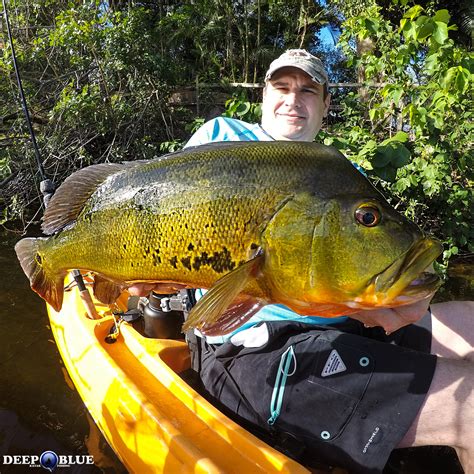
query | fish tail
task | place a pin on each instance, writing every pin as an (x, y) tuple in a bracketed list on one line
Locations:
[(49, 285)]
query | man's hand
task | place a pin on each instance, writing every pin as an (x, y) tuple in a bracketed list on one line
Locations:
[(143, 289), (392, 319)]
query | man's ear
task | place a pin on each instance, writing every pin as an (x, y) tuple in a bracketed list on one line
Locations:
[(327, 102)]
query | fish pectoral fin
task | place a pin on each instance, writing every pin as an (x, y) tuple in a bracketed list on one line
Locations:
[(212, 306), (106, 291), (234, 316)]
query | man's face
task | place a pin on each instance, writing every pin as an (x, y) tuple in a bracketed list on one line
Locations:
[(293, 105)]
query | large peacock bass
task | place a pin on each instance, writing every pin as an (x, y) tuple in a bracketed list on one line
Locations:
[(271, 222)]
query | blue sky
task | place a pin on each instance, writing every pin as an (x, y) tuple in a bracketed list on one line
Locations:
[(327, 38)]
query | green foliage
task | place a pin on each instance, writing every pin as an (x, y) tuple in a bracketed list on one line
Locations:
[(423, 103), (241, 108), (99, 77)]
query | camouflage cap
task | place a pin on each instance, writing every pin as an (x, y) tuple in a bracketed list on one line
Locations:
[(301, 59)]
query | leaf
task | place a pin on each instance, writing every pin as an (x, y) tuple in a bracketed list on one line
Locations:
[(368, 148), (242, 108), (383, 156), (398, 137), (429, 172), (442, 16), (432, 63), (408, 27), (413, 179), (413, 12), (440, 34), (440, 104), (338, 143), (397, 94), (402, 157), (462, 80), (258, 110), (388, 173), (449, 77), (425, 30), (371, 25), (402, 184), (438, 120)]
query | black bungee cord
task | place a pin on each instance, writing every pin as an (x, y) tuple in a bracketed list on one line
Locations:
[(46, 185)]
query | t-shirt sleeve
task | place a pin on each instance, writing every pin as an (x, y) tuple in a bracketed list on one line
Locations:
[(203, 135)]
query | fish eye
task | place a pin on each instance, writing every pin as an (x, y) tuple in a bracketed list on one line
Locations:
[(368, 216)]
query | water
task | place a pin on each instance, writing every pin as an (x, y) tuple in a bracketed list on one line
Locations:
[(40, 410)]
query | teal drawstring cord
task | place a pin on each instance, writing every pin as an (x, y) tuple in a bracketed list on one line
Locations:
[(279, 389)]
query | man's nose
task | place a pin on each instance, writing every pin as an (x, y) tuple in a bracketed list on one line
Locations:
[(292, 100)]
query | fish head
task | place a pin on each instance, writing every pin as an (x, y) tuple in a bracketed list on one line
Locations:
[(375, 256), (350, 252)]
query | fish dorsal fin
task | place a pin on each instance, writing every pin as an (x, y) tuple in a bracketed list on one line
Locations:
[(210, 308), (69, 199)]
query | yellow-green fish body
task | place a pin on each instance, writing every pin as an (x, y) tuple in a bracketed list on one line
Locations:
[(291, 216)]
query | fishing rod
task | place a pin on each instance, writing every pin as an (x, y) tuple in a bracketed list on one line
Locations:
[(46, 185)]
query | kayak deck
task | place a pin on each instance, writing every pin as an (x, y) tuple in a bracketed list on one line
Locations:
[(151, 417)]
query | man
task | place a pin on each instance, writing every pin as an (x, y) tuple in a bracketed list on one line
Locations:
[(294, 104), (341, 391)]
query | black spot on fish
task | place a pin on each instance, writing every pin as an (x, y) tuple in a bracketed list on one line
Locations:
[(125, 246), (190, 247), (156, 259), (174, 262), (254, 246), (147, 251), (186, 262), (218, 261), (202, 260), (157, 250)]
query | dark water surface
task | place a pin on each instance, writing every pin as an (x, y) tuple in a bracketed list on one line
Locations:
[(40, 410)]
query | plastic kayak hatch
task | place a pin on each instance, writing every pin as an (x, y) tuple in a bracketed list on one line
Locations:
[(150, 416)]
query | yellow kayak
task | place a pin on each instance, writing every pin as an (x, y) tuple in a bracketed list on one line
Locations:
[(151, 417)]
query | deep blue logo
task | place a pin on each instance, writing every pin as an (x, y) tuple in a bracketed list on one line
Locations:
[(49, 460)]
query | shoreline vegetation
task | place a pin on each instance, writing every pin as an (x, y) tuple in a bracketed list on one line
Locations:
[(132, 80)]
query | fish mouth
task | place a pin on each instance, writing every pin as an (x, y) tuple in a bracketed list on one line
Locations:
[(405, 281)]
